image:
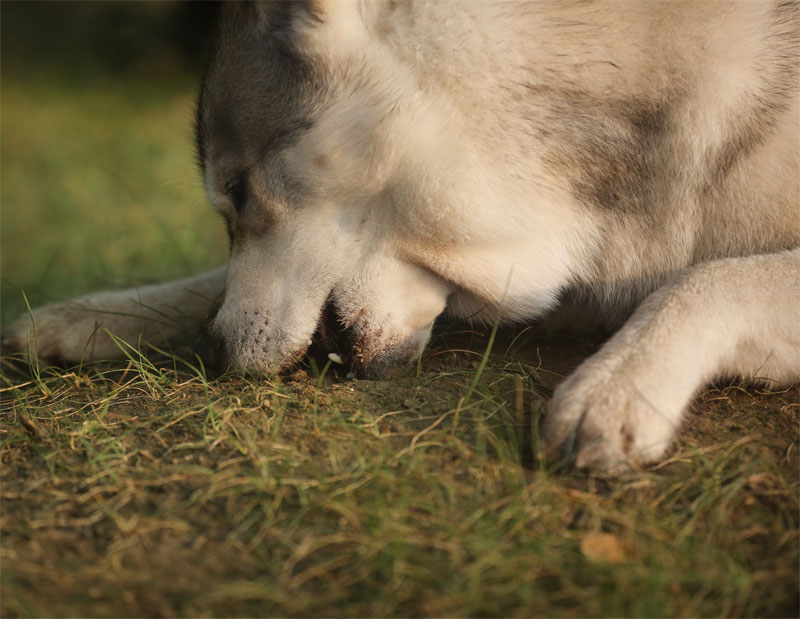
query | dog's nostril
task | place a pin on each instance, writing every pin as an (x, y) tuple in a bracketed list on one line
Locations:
[(210, 349)]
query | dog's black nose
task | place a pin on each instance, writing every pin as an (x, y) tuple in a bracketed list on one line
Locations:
[(211, 350)]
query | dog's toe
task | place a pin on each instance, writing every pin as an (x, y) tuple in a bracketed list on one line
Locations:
[(604, 423), (25, 339), (59, 333)]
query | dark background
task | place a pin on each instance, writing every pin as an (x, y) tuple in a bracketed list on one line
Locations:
[(86, 40)]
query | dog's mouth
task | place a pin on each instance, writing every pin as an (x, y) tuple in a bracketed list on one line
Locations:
[(332, 343), (337, 346)]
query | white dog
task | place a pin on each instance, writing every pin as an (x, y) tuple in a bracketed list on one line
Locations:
[(499, 160)]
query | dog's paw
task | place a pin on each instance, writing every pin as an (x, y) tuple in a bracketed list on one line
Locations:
[(603, 418), (62, 332)]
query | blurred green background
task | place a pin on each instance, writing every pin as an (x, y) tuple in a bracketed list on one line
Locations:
[(98, 183)]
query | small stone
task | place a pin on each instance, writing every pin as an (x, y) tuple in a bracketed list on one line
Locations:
[(603, 547)]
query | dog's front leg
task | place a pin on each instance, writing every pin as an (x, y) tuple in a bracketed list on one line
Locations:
[(77, 330), (732, 317)]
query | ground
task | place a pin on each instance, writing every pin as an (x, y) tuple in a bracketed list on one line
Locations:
[(148, 488), (143, 489)]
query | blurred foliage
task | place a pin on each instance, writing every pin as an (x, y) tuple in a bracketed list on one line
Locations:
[(98, 185), (84, 41)]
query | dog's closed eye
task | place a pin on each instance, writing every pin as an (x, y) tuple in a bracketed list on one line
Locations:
[(237, 191)]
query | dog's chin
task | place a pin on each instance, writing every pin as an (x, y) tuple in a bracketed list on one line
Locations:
[(393, 362), (382, 359), (365, 351)]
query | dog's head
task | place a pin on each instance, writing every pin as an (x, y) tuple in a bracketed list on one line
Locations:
[(303, 153)]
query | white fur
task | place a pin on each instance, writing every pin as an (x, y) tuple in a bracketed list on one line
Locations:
[(734, 317)]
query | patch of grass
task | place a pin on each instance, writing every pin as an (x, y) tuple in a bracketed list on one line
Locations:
[(142, 489)]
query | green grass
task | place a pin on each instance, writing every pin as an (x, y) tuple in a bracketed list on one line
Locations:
[(98, 188), (98, 183), (142, 488)]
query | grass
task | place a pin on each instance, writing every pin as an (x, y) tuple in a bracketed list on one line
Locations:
[(98, 182), (144, 488)]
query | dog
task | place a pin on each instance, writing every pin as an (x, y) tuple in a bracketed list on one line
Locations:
[(391, 161)]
